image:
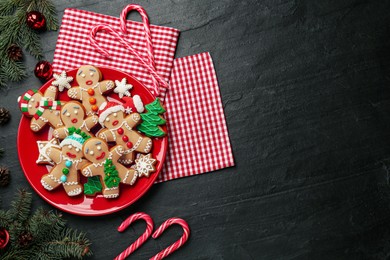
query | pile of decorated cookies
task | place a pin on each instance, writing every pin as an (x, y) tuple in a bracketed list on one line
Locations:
[(107, 140)]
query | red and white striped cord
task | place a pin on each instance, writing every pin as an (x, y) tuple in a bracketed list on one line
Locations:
[(148, 35), (110, 30), (141, 239), (172, 248)]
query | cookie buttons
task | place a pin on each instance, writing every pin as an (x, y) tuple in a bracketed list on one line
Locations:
[(65, 171), (94, 108), (92, 100), (91, 92)]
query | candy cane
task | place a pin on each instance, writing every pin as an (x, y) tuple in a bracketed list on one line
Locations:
[(172, 248), (148, 35), (105, 53), (141, 239)]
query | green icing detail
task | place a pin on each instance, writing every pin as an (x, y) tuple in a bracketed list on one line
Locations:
[(155, 107), (111, 178), (92, 186), (151, 120), (78, 131), (151, 131)]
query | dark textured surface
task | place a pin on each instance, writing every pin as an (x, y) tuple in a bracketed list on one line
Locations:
[(306, 92)]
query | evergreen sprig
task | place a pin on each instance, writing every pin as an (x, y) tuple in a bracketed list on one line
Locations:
[(40, 235), (14, 30)]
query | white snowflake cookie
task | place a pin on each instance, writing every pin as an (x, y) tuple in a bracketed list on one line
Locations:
[(62, 81), (122, 88), (145, 165)]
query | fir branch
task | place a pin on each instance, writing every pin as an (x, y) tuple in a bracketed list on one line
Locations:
[(46, 225), (14, 70), (20, 207), (31, 42), (5, 218), (9, 34), (73, 244), (8, 7)]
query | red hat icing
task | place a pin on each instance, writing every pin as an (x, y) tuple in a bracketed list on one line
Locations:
[(107, 108), (133, 104)]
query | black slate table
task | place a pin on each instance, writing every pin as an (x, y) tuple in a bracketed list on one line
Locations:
[(306, 92)]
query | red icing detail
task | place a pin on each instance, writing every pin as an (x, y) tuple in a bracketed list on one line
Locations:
[(129, 145), (120, 131), (89, 82), (37, 105), (71, 155), (125, 138), (74, 120), (101, 156), (115, 122), (92, 101)]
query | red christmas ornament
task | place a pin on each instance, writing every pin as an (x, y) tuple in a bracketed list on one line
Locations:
[(36, 21), (43, 70), (4, 238)]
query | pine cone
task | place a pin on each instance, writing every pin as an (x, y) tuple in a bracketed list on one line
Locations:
[(25, 238), (4, 176), (4, 115), (15, 53)]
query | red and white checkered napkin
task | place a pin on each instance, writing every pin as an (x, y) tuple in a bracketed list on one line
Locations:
[(73, 47), (198, 136)]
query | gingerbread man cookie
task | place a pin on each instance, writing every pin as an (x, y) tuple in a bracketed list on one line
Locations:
[(120, 129), (104, 163), (91, 89), (68, 160), (73, 115), (43, 108)]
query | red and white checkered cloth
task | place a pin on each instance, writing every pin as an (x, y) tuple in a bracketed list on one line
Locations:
[(198, 136), (73, 47)]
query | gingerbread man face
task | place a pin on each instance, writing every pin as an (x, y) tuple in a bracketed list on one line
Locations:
[(72, 152), (88, 76), (33, 103), (43, 108), (72, 114), (29, 102), (114, 120), (95, 150)]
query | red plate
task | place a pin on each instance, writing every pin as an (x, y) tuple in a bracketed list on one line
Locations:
[(85, 205)]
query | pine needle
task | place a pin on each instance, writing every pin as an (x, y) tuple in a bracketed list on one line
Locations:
[(44, 235), (14, 30), (20, 207)]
